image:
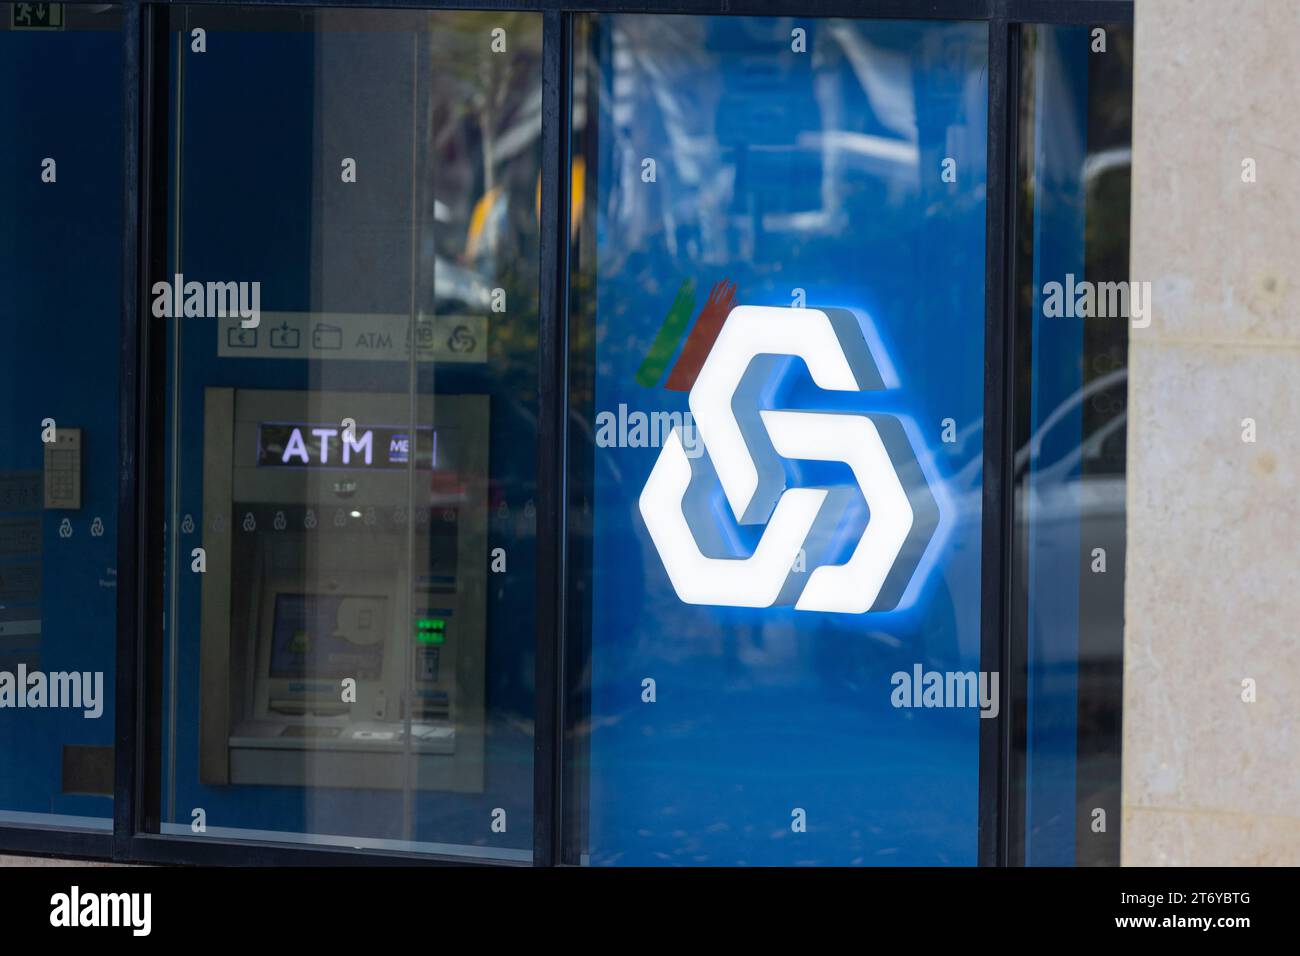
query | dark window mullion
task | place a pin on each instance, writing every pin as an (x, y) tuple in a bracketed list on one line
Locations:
[(552, 348), (995, 735), (133, 374)]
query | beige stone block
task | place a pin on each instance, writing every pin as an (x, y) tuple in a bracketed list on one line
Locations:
[(1213, 580), (1213, 85), (1168, 837)]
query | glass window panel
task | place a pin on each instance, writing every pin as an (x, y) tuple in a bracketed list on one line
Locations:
[(60, 304), (832, 172), (1074, 310), (354, 663)]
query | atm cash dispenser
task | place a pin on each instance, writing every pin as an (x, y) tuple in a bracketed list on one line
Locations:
[(338, 553)]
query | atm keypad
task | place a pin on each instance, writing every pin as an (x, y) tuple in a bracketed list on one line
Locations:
[(63, 469)]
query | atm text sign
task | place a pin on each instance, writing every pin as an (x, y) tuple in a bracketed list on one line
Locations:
[(329, 445)]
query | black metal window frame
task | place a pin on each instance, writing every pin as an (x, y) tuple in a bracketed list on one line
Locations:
[(137, 734)]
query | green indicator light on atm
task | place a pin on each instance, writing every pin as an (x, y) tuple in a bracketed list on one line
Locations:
[(430, 630)]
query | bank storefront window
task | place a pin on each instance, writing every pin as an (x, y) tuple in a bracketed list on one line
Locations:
[(351, 311), (559, 437), (60, 308), (776, 370)]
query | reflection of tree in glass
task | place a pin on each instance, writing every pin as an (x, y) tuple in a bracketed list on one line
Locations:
[(479, 173)]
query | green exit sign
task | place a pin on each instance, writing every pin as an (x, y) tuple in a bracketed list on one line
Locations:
[(37, 16)]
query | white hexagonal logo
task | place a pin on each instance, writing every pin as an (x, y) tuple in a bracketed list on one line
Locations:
[(745, 445)]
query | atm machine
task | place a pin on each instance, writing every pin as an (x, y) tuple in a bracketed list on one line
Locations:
[(343, 607)]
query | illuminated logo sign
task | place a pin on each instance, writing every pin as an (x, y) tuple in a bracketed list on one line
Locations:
[(318, 445), (746, 448)]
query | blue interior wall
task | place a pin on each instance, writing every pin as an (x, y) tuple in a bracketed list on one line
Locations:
[(60, 309)]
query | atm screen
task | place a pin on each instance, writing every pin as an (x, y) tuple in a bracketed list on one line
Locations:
[(328, 635)]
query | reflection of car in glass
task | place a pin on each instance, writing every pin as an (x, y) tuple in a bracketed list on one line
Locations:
[(1059, 499), (1073, 507), (459, 289)]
